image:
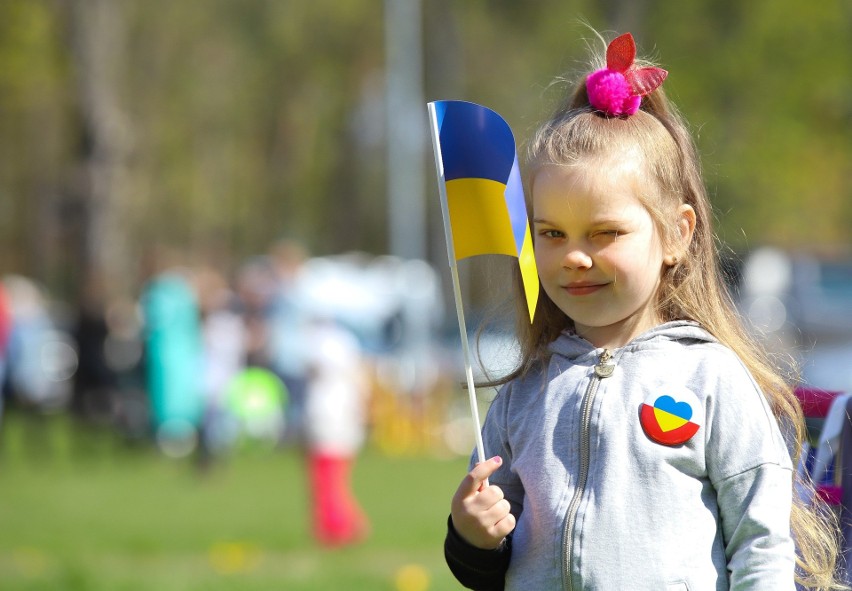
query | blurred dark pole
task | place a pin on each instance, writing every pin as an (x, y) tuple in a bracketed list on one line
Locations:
[(444, 78), (98, 36), (407, 121)]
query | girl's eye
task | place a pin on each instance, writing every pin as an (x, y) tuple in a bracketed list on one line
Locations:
[(551, 233), (606, 234)]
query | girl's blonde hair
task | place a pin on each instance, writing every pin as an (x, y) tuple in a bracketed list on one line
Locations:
[(692, 289)]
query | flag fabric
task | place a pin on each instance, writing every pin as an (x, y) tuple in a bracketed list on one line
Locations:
[(484, 191)]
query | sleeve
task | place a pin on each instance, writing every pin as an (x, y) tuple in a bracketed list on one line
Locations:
[(475, 568), (755, 510), (751, 470), (495, 438)]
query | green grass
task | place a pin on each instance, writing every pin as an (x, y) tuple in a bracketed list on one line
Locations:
[(80, 510)]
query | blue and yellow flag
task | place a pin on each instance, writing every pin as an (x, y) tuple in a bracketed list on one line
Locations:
[(485, 195)]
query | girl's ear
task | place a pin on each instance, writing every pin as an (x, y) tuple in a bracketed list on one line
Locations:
[(685, 224)]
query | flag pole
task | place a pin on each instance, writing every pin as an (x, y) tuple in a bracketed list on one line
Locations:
[(448, 235)]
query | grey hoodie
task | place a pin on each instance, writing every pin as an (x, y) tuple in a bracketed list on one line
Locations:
[(606, 494)]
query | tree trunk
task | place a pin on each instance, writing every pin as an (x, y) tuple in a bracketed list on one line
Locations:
[(97, 42)]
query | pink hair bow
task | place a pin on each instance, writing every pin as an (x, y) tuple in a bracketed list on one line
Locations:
[(618, 89)]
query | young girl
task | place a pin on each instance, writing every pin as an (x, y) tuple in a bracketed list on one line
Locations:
[(644, 441)]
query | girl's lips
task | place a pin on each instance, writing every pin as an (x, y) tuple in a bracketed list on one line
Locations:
[(581, 289)]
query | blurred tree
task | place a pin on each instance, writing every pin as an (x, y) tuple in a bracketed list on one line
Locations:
[(97, 39), (218, 126), (36, 117), (768, 85)]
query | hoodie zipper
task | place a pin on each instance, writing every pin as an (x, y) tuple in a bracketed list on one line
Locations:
[(603, 369)]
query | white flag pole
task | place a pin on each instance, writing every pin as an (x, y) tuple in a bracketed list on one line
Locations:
[(448, 235)]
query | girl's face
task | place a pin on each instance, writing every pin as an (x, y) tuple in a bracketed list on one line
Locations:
[(598, 252)]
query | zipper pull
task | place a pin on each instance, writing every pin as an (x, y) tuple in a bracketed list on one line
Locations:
[(604, 368)]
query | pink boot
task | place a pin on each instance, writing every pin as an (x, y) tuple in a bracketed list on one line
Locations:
[(337, 517)]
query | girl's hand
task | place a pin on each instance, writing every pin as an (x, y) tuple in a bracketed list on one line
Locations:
[(480, 513)]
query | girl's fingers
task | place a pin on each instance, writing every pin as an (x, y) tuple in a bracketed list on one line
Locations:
[(477, 477)]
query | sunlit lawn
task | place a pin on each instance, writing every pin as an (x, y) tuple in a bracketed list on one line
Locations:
[(85, 511)]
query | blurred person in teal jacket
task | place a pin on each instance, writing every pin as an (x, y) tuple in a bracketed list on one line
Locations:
[(173, 350)]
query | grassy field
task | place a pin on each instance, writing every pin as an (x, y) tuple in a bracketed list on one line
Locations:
[(80, 510)]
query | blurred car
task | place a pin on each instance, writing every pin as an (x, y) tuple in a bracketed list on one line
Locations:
[(802, 305)]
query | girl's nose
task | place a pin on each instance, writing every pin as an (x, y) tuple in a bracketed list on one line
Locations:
[(576, 259)]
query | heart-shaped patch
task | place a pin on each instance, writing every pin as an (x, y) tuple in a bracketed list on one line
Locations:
[(671, 419)]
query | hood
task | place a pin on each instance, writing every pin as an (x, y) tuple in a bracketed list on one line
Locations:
[(571, 346)]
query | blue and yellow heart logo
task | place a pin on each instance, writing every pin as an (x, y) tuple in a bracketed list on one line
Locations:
[(671, 421)]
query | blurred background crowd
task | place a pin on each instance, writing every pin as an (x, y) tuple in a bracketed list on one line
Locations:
[(202, 361)]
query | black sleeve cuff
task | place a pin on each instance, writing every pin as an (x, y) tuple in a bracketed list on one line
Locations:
[(475, 568)]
